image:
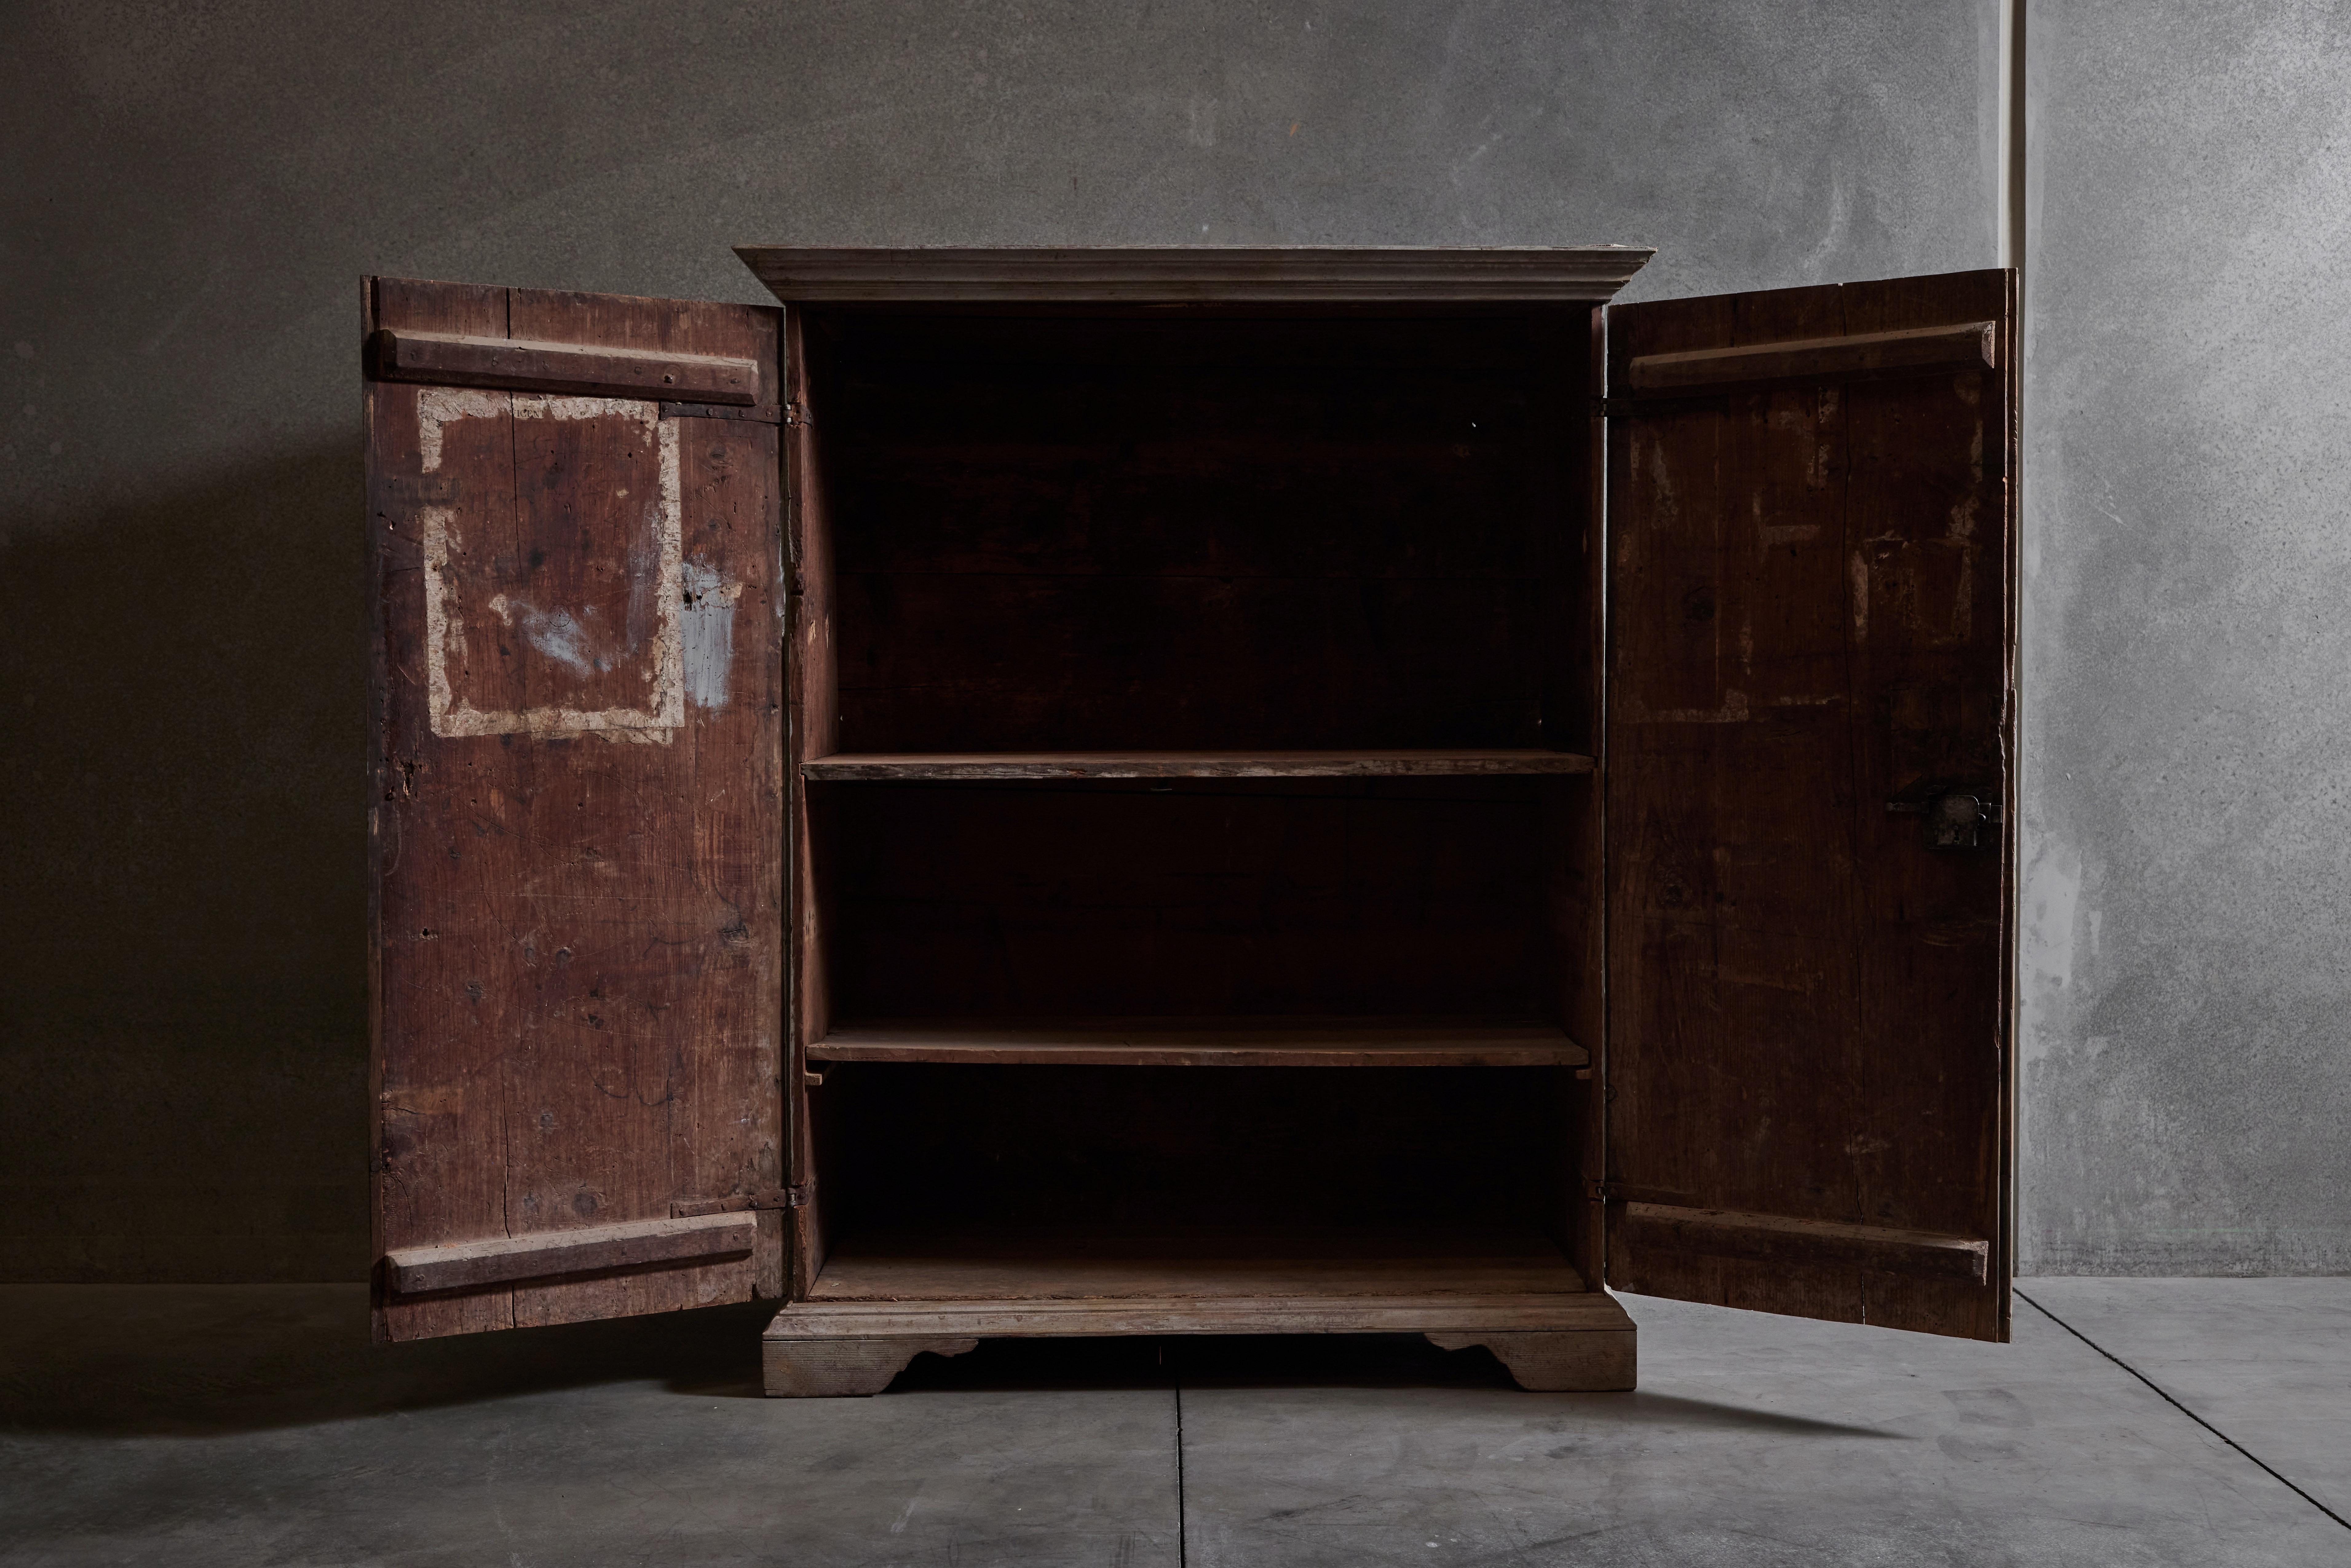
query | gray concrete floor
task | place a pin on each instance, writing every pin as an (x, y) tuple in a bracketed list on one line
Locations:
[(2160, 1421)]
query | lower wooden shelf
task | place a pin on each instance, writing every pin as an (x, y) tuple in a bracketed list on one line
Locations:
[(881, 1301), (1204, 1042), (1091, 1266), (1014, 766)]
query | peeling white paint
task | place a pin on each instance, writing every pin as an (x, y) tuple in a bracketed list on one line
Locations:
[(555, 632), (439, 406), (709, 618)]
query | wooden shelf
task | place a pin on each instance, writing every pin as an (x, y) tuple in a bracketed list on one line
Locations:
[(1204, 1042), (1047, 765), (1041, 1266)]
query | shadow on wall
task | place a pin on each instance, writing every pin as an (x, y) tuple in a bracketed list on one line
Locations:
[(182, 983)]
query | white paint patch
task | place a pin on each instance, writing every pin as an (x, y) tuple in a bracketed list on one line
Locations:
[(709, 615), (556, 632), (438, 406)]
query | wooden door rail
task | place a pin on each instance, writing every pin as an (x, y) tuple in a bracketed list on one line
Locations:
[(1776, 1238), (447, 359), (1049, 765), (1967, 344), (460, 1265)]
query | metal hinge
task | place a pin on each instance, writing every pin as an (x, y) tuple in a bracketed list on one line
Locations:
[(1956, 817), (795, 413), (1604, 1191), (741, 1202)]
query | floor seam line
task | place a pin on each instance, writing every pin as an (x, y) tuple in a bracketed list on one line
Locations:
[(1181, 1547), (2161, 1394)]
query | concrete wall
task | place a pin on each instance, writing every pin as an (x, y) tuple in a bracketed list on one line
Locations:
[(192, 191), (2188, 655)]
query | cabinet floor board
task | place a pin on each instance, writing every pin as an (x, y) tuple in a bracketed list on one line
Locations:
[(1286, 1263), (1048, 764)]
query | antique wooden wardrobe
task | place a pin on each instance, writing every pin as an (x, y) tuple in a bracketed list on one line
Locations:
[(1157, 791)]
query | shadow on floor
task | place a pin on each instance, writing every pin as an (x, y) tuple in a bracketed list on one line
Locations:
[(203, 1360), (197, 1361), (1238, 1361)]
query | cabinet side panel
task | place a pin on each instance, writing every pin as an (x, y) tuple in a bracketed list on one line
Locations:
[(812, 686)]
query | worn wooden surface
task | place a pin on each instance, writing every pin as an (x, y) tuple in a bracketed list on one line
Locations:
[(462, 1265), (1972, 345), (1220, 1042), (815, 274), (1199, 898), (1048, 766), (1593, 1361), (1576, 1311), (812, 709), (458, 360), (577, 782), (1804, 1243), (843, 1368), (1012, 1265), (1812, 613)]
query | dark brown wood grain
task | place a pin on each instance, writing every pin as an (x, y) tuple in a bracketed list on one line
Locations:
[(1963, 345), (1799, 1245), (579, 783), (658, 327), (812, 724), (457, 359), (1812, 613)]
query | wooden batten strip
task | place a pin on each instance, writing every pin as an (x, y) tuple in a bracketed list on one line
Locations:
[(463, 1264), (1775, 1238), (1970, 343), (447, 359)]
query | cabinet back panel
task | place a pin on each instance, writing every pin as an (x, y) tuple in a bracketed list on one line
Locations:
[(1213, 897), (944, 1148), (1065, 533)]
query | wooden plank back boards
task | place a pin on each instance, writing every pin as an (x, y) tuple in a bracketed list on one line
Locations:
[(576, 753), (1814, 615)]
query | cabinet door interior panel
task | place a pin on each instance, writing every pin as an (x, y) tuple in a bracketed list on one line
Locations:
[(578, 907), (1813, 620)]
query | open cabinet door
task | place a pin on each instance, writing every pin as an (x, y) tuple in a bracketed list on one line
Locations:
[(1810, 774), (576, 825)]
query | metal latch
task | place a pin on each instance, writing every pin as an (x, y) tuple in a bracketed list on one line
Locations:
[(1956, 819), (740, 1202)]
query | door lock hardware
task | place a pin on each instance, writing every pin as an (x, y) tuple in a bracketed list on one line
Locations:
[(1957, 818)]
